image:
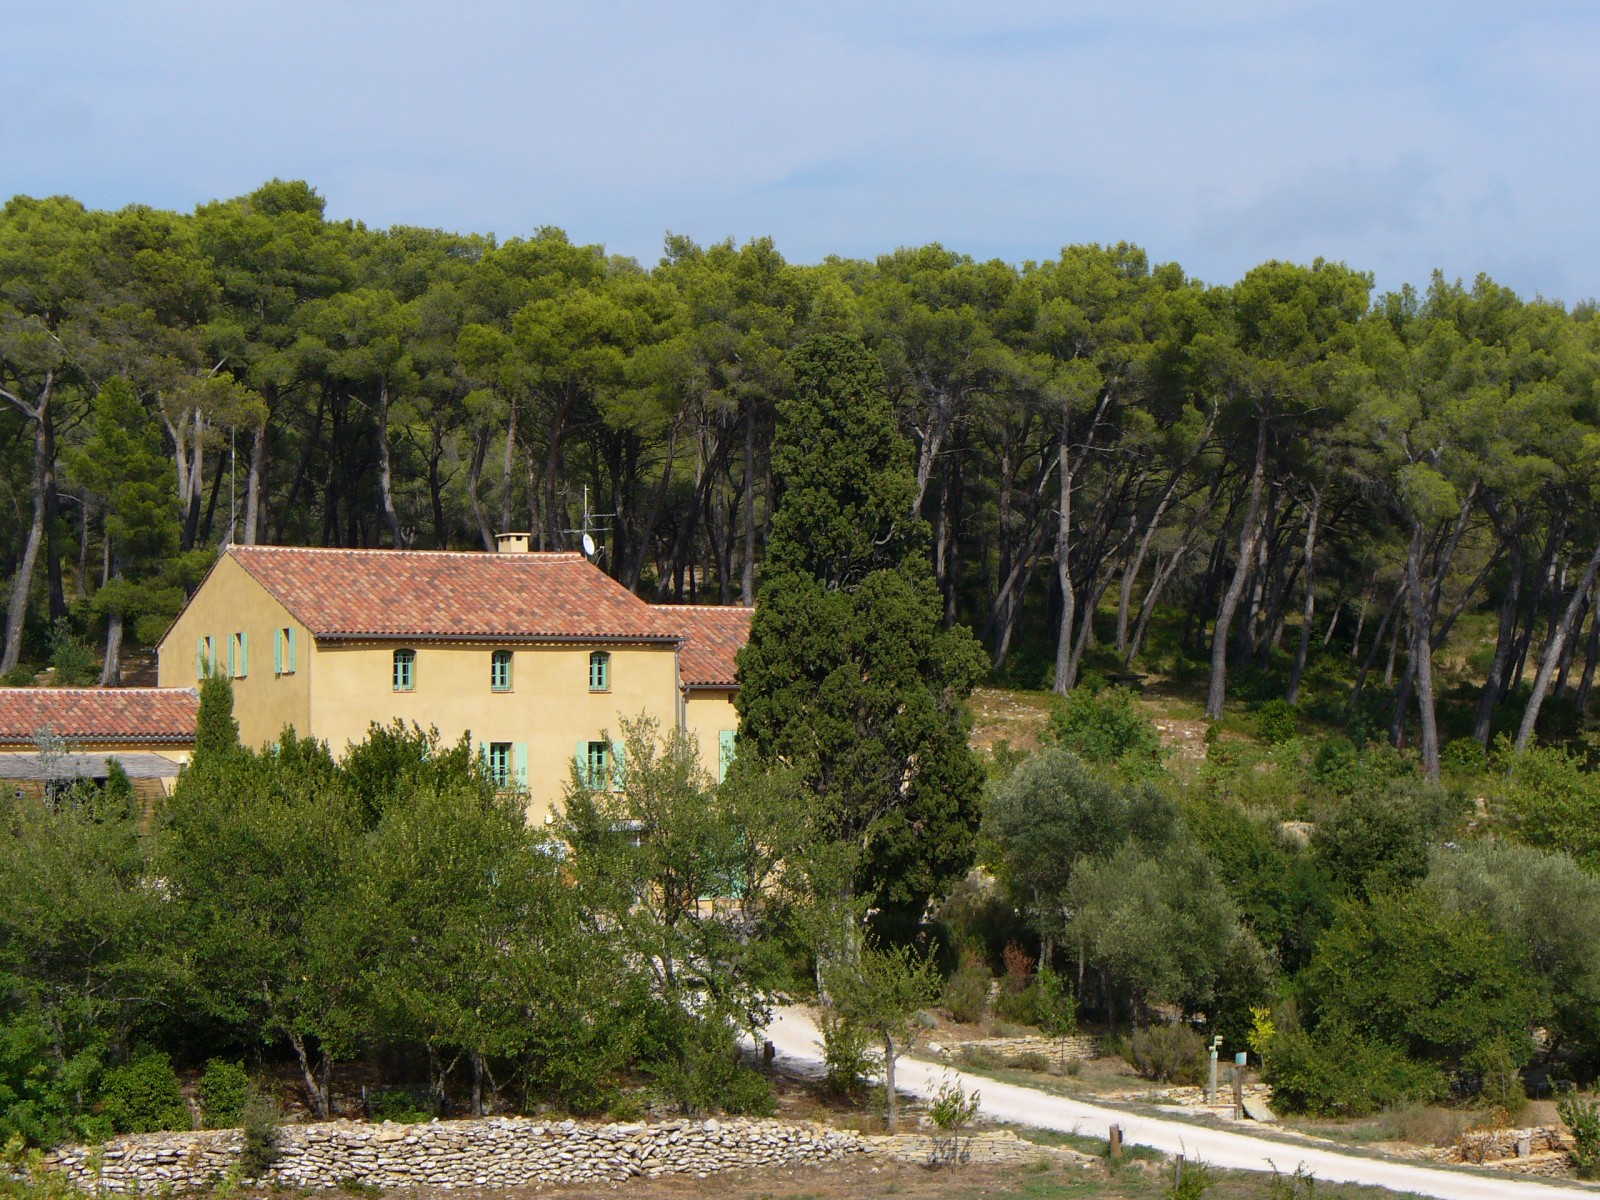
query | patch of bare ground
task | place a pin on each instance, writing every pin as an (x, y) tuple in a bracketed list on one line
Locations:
[(999, 714), (1185, 739)]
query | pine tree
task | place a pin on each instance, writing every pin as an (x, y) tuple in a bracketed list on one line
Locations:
[(848, 677)]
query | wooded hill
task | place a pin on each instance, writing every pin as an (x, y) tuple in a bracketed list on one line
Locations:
[(1275, 464)]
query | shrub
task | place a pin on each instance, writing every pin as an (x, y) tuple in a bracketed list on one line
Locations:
[(1582, 1118), (1465, 755), (72, 658), (144, 1097), (1190, 1180), (706, 1075), (626, 1107), (1341, 1074), (224, 1091), (1029, 1060), (1018, 964), (966, 994), (847, 1058), (1106, 727), (260, 1126), (19, 676), (1021, 1007), (1499, 1082), (401, 1106), (1275, 721), (1169, 1054)]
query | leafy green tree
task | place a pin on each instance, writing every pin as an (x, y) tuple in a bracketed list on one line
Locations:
[(1382, 840), (216, 736), (1546, 904), (124, 464), (881, 990), (1435, 982), (258, 851), (848, 676)]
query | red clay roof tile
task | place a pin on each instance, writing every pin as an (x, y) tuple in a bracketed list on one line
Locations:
[(713, 637), (155, 715), (447, 594)]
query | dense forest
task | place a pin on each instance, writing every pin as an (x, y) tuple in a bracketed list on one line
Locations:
[(1285, 461)]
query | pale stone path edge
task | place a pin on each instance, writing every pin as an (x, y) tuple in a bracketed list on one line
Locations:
[(794, 1035)]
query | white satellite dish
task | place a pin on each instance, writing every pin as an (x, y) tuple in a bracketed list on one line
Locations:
[(588, 546)]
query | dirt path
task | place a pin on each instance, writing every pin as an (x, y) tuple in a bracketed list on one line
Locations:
[(794, 1034)]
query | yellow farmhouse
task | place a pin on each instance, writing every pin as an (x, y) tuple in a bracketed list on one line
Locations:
[(537, 656)]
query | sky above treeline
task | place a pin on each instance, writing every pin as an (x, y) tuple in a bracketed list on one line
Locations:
[(1395, 136)]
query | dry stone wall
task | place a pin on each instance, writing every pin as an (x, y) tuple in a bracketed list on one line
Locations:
[(494, 1152)]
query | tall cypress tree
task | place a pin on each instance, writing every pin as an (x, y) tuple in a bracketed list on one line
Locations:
[(848, 676)]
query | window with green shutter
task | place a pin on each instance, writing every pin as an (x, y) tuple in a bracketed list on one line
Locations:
[(500, 763), (597, 765), (725, 749), (600, 671), (283, 651), (500, 671), (405, 670)]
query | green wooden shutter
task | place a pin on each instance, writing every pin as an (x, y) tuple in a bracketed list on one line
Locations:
[(619, 772), (200, 663), (233, 657), (519, 763), (244, 654), (581, 757), (290, 634), (277, 652), (725, 748)]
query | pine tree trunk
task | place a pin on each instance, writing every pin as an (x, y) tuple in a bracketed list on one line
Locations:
[(1216, 694), (888, 1078), (1308, 610), (1422, 656), (747, 573), (391, 518), (22, 582), (1064, 680), (1552, 653), (252, 487)]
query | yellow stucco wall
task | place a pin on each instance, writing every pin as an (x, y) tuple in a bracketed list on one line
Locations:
[(228, 603), (549, 707), (709, 712)]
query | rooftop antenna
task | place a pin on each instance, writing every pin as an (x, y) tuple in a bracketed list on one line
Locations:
[(592, 549)]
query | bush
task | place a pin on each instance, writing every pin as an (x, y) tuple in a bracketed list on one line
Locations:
[(709, 1076), (224, 1091), (1582, 1118), (1021, 1007), (1275, 721), (401, 1106), (1341, 1074), (1465, 755), (1029, 1060), (1169, 1054), (19, 676), (71, 657), (847, 1057), (260, 1126), (966, 994), (1106, 727), (144, 1097), (1499, 1082)]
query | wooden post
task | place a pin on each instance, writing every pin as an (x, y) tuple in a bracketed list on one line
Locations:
[(1238, 1093), (1114, 1145), (1177, 1173)]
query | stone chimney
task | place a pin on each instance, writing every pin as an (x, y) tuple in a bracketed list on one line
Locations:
[(512, 543)]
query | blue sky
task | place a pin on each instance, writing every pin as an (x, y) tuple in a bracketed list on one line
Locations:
[(1398, 137)]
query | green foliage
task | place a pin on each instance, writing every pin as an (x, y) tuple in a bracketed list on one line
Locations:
[(1464, 755), (1106, 727), (849, 676), (144, 1096), (1276, 721), (1582, 1118), (260, 1149), (1339, 1073), (1191, 1179), (1499, 1082), (707, 1075), (1055, 1007), (1381, 840), (72, 659), (1168, 1053), (224, 1093), (19, 676), (402, 1106), (1437, 983), (847, 1057), (1548, 799), (216, 732), (1021, 1007), (966, 993)]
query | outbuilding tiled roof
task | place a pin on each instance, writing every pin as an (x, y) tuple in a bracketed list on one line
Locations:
[(153, 715), (713, 636), (422, 594)]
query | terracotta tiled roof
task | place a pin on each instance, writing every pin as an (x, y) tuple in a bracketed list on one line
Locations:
[(155, 715), (444, 594), (713, 636)]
